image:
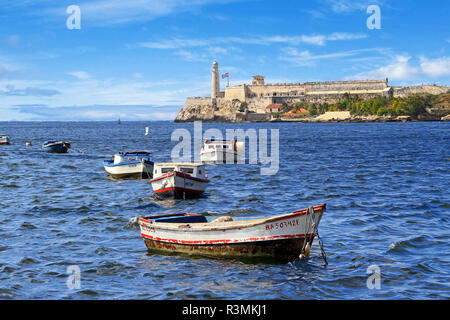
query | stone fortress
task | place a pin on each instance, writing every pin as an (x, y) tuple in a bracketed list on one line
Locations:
[(250, 102)]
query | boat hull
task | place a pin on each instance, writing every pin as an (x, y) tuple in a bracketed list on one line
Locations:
[(4, 140), (56, 148), (129, 170), (178, 185), (284, 250), (280, 238)]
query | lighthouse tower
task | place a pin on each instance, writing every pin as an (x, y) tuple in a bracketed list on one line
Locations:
[(215, 82)]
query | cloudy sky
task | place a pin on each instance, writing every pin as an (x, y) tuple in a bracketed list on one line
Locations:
[(140, 59)]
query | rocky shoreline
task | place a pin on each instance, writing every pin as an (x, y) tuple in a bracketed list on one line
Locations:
[(346, 119), (420, 118)]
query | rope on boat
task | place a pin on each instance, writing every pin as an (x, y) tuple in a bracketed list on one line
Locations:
[(306, 246), (311, 212)]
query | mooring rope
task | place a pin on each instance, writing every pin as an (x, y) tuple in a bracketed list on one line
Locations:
[(311, 211), (303, 253)]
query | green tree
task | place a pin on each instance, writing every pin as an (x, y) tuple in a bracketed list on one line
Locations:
[(243, 107)]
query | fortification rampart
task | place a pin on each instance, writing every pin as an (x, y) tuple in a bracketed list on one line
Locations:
[(430, 89)]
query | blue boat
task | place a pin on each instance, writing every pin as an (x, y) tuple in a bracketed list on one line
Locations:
[(136, 164), (56, 146)]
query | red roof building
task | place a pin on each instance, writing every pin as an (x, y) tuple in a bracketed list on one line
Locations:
[(275, 107)]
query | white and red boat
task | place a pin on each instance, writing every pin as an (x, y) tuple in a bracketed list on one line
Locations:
[(179, 180), (282, 237), (4, 139)]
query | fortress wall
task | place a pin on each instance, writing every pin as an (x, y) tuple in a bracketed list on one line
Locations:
[(257, 91), (237, 92), (196, 101), (298, 89), (346, 85), (427, 89), (328, 97)]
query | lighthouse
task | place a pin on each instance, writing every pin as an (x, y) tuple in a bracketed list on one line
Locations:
[(215, 82)]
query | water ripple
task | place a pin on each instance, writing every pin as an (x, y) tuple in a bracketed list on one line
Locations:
[(385, 185)]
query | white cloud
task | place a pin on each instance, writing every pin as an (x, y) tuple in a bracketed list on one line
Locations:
[(347, 6), (403, 69), (435, 68), (82, 75), (318, 39), (10, 70), (400, 69), (305, 58), (114, 12)]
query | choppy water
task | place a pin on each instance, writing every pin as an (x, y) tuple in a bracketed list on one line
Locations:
[(386, 186)]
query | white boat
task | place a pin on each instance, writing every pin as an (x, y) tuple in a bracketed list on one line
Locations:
[(221, 151), (282, 237), (179, 180), (136, 164), (4, 139)]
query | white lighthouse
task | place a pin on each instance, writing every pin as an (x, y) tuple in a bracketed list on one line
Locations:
[(215, 82)]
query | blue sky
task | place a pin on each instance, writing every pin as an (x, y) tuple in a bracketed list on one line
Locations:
[(140, 59)]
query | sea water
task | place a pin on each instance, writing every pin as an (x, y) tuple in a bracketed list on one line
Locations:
[(68, 231)]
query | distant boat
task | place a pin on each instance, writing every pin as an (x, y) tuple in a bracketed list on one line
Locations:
[(221, 151), (118, 121), (56, 146), (135, 164), (179, 180), (282, 237), (4, 139)]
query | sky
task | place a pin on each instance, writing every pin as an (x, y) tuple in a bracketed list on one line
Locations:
[(140, 59)]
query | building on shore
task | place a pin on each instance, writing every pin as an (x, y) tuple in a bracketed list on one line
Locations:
[(251, 102)]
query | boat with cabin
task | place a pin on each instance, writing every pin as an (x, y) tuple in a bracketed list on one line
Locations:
[(282, 237), (134, 164), (5, 139), (54, 146), (221, 151), (179, 180)]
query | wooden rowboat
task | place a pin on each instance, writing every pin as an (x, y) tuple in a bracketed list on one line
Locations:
[(281, 237)]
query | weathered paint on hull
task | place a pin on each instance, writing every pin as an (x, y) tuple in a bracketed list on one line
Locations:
[(278, 237), (179, 193), (283, 250), (179, 187)]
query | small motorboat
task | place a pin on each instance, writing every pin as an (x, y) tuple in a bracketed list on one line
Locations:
[(281, 237), (136, 164), (179, 180), (4, 139), (56, 146), (221, 151)]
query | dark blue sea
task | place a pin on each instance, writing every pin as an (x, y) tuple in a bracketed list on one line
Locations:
[(386, 186)]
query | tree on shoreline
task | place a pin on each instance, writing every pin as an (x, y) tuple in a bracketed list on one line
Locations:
[(412, 105)]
